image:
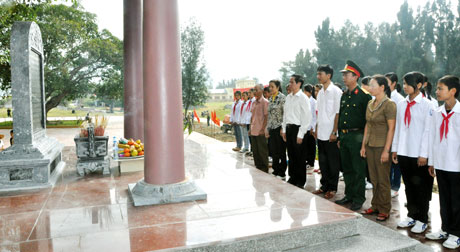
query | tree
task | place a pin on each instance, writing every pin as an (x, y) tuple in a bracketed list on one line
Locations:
[(194, 72), (227, 84), (76, 54), (427, 40), (111, 89), (303, 65)]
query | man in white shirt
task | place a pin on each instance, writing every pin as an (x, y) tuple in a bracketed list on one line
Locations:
[(328, 107), (296, 120), (395, 173)]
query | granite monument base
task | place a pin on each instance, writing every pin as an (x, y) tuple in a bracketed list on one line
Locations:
[(25, 167), (144, 194), (89, 166)]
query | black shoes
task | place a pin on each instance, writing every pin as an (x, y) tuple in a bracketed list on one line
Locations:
[(355, 206), (343, 201)]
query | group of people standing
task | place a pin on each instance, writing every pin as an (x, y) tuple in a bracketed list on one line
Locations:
[(369, 131)]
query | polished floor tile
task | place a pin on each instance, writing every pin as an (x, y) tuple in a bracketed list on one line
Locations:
[(20, 204), (16, 227), (77, 221), (162, 214)]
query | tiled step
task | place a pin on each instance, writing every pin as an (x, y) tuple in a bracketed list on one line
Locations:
[(283, 240), (352, 235), (371, 237)]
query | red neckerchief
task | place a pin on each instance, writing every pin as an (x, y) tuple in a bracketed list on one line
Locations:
[(249, 105), (234, 107), (445, 124), (242, 107), (407, 116)]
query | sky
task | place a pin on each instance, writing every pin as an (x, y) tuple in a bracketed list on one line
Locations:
[(251, 38)]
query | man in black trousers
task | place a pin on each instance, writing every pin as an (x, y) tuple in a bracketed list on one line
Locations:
[(296, 119), (328, 107)]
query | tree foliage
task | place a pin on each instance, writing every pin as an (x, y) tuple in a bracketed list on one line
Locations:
[(194, 72), (426, 40), (77, 55), (227, 84)]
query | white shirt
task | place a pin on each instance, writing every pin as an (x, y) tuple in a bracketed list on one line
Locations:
[(413, 141), (235, 113), (396, 96), (434, 102), (445, 155), (297, 111), (327, 105), (245, 112), (313, 114)]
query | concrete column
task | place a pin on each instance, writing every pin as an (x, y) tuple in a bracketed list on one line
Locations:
[(133, 95), (163, 132), (164, 174)]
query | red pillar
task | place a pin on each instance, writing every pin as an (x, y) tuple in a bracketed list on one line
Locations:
[(133, 95), (163, 132)]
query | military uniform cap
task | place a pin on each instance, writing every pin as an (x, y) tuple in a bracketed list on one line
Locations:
[(352, 67)]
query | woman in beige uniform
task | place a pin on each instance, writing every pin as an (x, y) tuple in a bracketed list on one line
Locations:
[(378, 136)]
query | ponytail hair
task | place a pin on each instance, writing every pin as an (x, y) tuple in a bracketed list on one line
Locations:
[(394, 78), (383, 81), (413, 79)]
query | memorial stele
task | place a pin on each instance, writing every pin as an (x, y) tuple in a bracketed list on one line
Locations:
[(34, 160)]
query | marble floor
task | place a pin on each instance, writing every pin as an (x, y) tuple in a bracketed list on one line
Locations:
[(95, 213)]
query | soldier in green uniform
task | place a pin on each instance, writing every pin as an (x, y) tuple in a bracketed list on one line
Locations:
[(352, 119)]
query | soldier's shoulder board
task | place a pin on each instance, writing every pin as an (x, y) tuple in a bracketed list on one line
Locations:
[(364, 90)]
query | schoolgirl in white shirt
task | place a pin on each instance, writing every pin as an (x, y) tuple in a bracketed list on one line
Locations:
[(410, 150), (444, 156), (309, 91), (245, 120), (235, 118), (395, 172), (426, 90)]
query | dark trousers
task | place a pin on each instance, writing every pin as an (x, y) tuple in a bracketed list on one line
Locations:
[(449, 201), (250, 141), (419, 186), (277, 148), (311, 149), (260, 152), (354, 166), (395, 177), (297, 157), (329, 163)]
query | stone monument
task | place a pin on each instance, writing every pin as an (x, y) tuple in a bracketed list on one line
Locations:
[(34, 160)]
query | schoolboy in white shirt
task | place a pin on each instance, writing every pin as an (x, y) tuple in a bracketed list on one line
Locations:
[(444, 156)]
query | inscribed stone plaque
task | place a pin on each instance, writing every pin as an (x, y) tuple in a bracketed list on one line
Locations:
[(37, 92)]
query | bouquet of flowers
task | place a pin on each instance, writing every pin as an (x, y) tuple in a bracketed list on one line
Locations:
[(100, 123)]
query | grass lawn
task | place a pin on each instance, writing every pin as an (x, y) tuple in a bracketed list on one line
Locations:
[(213, 131), (217, 106), (49, 124), (56, 112)]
